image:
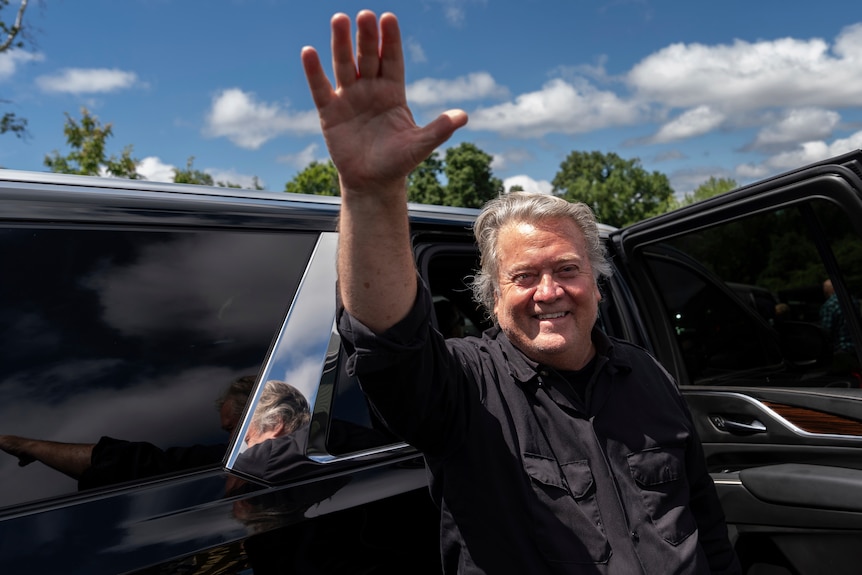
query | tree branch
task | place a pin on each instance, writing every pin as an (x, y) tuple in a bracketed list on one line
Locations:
[(13, 31)]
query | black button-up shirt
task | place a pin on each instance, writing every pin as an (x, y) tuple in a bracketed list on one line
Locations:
[(532, 479)]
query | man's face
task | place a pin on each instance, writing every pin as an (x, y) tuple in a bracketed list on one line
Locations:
[(227, 415), (255, 435), (548, 300)]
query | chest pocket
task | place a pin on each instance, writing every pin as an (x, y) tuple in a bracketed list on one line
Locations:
[(660, 475), (566, 523)]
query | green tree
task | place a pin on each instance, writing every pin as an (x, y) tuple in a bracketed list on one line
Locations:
[(87, 155), (190, 175), (712, 187), (470, 181), (619, 191), (320, 178), (10, 37), (423, 183)]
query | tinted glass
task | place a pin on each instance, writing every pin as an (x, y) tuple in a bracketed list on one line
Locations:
[(744, 298), (132, 334)]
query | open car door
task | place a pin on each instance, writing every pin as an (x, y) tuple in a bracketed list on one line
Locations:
[(752, 300)]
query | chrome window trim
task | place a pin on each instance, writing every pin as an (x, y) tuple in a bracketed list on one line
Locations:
[(300, 350), (394, 447)]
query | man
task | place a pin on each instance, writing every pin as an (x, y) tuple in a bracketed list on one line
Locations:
[(552, 448)]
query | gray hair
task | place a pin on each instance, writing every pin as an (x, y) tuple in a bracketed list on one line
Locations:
[(281, 403), (238, 391), (518, 207)]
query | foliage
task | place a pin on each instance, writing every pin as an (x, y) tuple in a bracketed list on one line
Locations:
[(317, 178), (190, 175), (87, 157), (619, 191), (10, 38), (470, 182), (423, 183), (13, 124), (712, 187)]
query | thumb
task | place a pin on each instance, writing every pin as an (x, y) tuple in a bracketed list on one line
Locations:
[(441, 129)]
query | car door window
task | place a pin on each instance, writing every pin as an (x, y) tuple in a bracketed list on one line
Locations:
[(129, 339), (746, 302)]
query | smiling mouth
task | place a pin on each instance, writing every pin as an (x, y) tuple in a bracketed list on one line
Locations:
[(542, 316)]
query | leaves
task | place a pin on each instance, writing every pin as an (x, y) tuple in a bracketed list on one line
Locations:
[(619, 191), (87, 156), (317, 178)]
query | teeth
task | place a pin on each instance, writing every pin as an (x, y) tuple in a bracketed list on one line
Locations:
[(551, 315)]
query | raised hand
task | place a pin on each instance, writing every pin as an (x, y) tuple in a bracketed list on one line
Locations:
[(369, 130)]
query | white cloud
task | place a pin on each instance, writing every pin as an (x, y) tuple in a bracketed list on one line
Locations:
[(694, 122), (528, 184), (513, 157), (304, 157), (415, 51), (752, 75), (10, 60), (153, 169), (798, 125), (454, 12), (239, 117), (559, 107), (87, 81), (805, 153), (233, 177), (433, 92)]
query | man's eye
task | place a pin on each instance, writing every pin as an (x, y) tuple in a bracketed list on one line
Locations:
[(521, 279), (568, 271)]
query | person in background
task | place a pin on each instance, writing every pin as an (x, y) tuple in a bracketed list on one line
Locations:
[(551, 447)]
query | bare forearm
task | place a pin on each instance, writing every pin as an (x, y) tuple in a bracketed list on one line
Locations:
[(69, 458), (377, 277)]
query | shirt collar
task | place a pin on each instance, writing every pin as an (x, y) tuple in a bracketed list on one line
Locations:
[(524, 369)]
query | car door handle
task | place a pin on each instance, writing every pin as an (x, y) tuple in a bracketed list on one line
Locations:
[(723, 423)]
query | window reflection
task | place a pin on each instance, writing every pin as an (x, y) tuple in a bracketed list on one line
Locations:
[(131, 334)]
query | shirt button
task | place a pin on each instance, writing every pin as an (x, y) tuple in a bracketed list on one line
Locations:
[(635, 536)]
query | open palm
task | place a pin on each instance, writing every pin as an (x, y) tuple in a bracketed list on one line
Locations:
[(369, 130)]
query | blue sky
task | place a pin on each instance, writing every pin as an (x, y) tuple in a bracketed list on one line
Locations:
[(693, 89)]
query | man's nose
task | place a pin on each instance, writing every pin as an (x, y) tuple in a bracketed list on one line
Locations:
[(548, 288)]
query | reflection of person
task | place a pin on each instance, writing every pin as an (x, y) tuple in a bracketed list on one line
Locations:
[(551, 447), (833, 321), (281, 410), (114, 460), (276, 434)]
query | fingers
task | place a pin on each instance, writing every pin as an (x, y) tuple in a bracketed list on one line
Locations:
[(367, 41), (438, 131), (343, 65), (391, 52), (318, 83)]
